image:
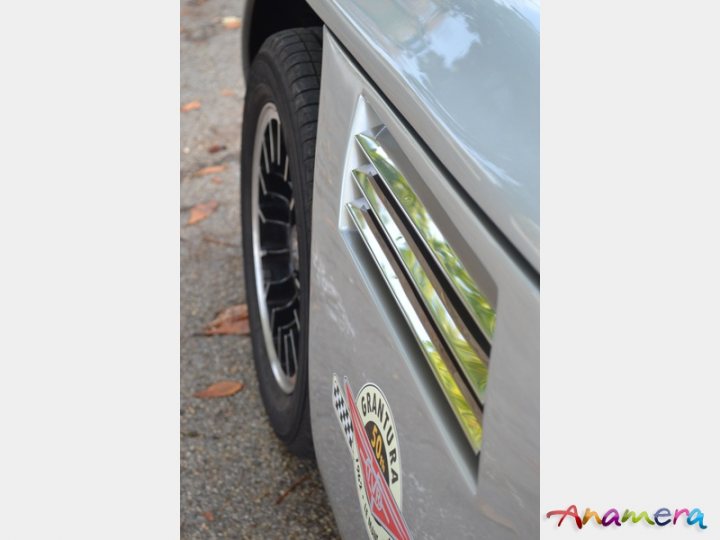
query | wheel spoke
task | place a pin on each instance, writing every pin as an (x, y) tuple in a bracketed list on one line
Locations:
[(275, 206), (294, 352), (261, 179), (285, 340), (275, 184), (265, 158), (282, 312), (282, 290), (271, 140), (287, 352), (274, 235)]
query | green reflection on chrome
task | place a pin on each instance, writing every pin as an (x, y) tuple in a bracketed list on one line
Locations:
[(469, 422), (475, 301), (474, 366)]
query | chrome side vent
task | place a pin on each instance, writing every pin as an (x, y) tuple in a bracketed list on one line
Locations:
[(453, 328)]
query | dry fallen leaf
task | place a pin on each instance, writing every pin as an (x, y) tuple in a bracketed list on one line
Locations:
[(208, 238), (190, 106), (215, 148), (209, 516), (233, 320), (231, 23), (292, 487), (201, 211), (220, 389), (227, 92), (213, 169)]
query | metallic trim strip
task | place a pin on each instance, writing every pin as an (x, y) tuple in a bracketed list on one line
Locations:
[(474, 300), (456, 392), (464, 349)]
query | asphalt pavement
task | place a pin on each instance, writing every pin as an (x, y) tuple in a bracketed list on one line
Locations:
[(237, 480)]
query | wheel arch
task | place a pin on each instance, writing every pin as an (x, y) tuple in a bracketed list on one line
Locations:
[(263, 18)]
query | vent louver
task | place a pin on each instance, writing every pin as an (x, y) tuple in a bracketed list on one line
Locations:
[(451, 319)]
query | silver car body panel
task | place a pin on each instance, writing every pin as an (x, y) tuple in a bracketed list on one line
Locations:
[(356, 329), (465, 75)]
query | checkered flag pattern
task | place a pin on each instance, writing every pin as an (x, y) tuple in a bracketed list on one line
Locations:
[(342, 412)]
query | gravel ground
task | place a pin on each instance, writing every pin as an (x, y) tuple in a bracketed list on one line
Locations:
[(233, 469)]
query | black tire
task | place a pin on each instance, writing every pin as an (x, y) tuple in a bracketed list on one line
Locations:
[(286, 72)]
